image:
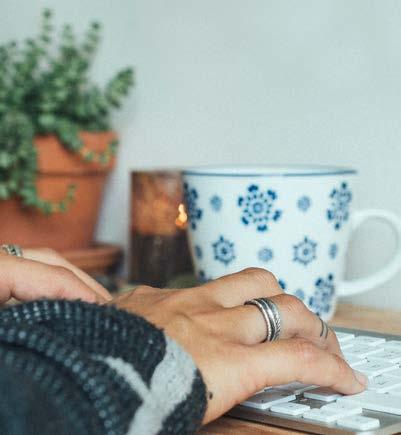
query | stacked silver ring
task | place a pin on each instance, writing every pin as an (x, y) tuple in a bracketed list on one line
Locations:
[(271, 316), (12, 250)]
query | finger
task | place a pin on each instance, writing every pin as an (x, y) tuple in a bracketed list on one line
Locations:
[(89, 281), (26, 280), (243, 324), (237, 288), (296, 321), (300, 360), (55, 259)]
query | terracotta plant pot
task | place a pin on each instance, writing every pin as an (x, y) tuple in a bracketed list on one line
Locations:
[(57, 169)]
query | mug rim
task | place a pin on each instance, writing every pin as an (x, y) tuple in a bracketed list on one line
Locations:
[(269, 170)]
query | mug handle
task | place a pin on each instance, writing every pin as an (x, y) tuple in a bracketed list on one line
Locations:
[(348, 288)]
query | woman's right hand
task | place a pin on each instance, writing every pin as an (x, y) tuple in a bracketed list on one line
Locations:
[(224, 337)]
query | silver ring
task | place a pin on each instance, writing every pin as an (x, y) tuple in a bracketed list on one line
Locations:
[(325, 329), (11, 249), (271, 315), (262, 309), (276, 316)]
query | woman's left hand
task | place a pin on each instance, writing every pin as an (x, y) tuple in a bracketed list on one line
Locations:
[(43, 273)]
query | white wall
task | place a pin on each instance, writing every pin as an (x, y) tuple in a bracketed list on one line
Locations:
[(234, 81)]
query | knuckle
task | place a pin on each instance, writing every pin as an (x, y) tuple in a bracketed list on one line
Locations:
[(251, 270), (305, 351), (64, 273), (260, 274), (292, 304)]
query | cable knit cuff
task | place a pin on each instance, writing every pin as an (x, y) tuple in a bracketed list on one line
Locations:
[(123, 371)]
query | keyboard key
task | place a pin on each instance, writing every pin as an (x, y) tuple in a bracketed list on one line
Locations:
[(389, 355), (395, 392), (343, 409), (392, 344), (296, 387), (354, 360), (332, 412), (368, 340), (347, 345), (322, 393), (375, 368), (320, 415), (384, 383), (396, 373), (375, 401), (268, 398), (342, 337), (359, 422), (290, 408), (362, 350)]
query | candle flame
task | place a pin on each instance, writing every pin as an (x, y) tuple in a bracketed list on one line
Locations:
[(182, 218)]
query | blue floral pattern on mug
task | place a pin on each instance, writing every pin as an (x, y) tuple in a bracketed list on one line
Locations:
[(265, 254), (282, 284), (223, 250), (321, 301), (305, 251), (304, 203), (198, 252), (340, 202), (202, 277), (333, 251), (191, 203), (258, 207), (216, 203)]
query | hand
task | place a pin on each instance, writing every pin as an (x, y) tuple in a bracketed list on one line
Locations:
[(43, 273), (225, 338)]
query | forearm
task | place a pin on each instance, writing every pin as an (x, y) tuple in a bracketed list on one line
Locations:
[(127, 375)]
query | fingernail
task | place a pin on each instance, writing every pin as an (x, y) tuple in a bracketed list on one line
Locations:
[(361, 378)]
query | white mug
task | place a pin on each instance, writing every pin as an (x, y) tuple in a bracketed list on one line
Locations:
[(295, 221)]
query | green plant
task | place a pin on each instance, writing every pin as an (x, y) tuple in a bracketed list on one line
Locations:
[(45, 89)]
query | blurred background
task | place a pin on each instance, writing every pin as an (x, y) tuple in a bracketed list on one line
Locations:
[(261, 81)]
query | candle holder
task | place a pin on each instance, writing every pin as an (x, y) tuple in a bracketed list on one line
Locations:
[(159, 245)]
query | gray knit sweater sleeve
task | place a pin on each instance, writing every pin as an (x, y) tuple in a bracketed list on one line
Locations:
[(76, 368)]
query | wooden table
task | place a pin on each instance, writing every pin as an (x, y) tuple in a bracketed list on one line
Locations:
[(349, 316)]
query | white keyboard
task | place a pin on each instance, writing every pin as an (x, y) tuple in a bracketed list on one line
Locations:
[(315, 409)]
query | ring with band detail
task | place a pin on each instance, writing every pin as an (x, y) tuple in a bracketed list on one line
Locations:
[(11, 249), (271, 316)]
